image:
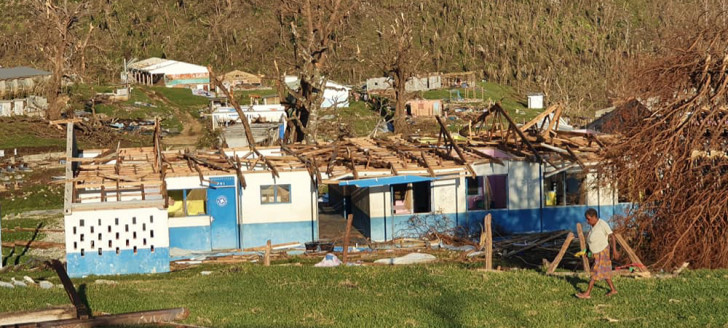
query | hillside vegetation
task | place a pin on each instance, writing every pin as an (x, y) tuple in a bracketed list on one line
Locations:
[(575, 51)]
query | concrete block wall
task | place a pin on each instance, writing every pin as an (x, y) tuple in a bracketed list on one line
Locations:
[(119, 241)]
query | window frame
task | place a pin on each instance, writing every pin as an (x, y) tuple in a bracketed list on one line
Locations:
[(275, 194), (409, 193), (184, 203)]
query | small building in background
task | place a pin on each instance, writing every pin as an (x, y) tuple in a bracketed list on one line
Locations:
[(425, 107), (273, 99), (237, 79), (267, 124), (21, 81), (335, 94), (535, 100), (168, 73), (458, 79), (28, 106), (413, 84)]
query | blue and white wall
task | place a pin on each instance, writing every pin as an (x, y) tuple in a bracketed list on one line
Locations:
[(119, 241), (295, 221), (526, 212), (191, 233), (373, 214)]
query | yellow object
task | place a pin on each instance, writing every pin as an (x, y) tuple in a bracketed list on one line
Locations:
[(196, 202), (550, 198), (580, 254)]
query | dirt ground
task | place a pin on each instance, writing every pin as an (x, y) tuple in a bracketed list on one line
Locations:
[(332, 226)]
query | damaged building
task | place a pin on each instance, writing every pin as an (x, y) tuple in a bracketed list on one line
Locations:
[(130, 210), (168, 73)]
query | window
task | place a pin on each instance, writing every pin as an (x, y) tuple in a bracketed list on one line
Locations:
[(275, 194), (497, 191), (564, 189), (487, 192), (575, 192), (187, 202), (411, 198), (476, 193)]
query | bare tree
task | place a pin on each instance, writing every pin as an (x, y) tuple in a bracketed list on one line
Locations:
[(399, 58), (311, 28), (61, 42)]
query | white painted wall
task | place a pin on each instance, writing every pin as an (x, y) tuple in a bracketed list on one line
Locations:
[(380, 202), (599, 195), (524, 185), (85, 235), (448, 195), (301, 207)]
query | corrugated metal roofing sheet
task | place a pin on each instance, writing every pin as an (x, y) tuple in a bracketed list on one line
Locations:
[(20, 72)]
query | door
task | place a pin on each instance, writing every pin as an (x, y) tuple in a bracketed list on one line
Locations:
[(222, 207)]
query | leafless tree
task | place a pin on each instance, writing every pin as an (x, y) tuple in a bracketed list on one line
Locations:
[(399, 58), (312, 29), (61, 42)]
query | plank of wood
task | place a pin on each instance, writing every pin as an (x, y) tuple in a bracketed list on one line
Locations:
[(488, 242), (539, 118), (349, 221), (49, 314), (134, 318), (33, 244), (562, 251), (582, 246), (632, 255), (274, 246), (537, 243), (82, 311), (266, 258)]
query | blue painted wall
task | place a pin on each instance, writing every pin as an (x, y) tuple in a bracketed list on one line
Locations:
[(110, 263), (546, 219), (195, 238), (504, 221), (257, 234)]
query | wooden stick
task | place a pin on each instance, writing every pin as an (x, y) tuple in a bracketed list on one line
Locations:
[(537, 243), (488, 243), (582, 246), (266, 258), (562, 251), (349, 221), (632, 256)]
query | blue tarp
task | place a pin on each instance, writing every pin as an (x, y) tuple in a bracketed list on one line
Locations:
[(385, 181)]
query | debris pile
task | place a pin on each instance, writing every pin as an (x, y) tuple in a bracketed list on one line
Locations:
[(674, 162)]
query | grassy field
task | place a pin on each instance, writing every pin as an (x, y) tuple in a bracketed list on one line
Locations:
[(489, 92), (21, 134), (438, 295)]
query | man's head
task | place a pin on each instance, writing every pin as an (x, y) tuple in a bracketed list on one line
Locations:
[(591, 216)]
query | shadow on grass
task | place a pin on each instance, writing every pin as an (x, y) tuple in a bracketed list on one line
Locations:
[(30, 241)]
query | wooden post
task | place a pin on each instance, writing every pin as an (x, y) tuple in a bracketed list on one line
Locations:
[(266, 258), (562, 251), (488, 243), (349, 221), (632, 256), (582, 246)]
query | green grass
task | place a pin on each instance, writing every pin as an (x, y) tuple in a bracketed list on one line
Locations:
[(361, 118), (512, 102), (440, 295), (243, 97), (16, 255), (33, 197), (19, 134), (169, 104)]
